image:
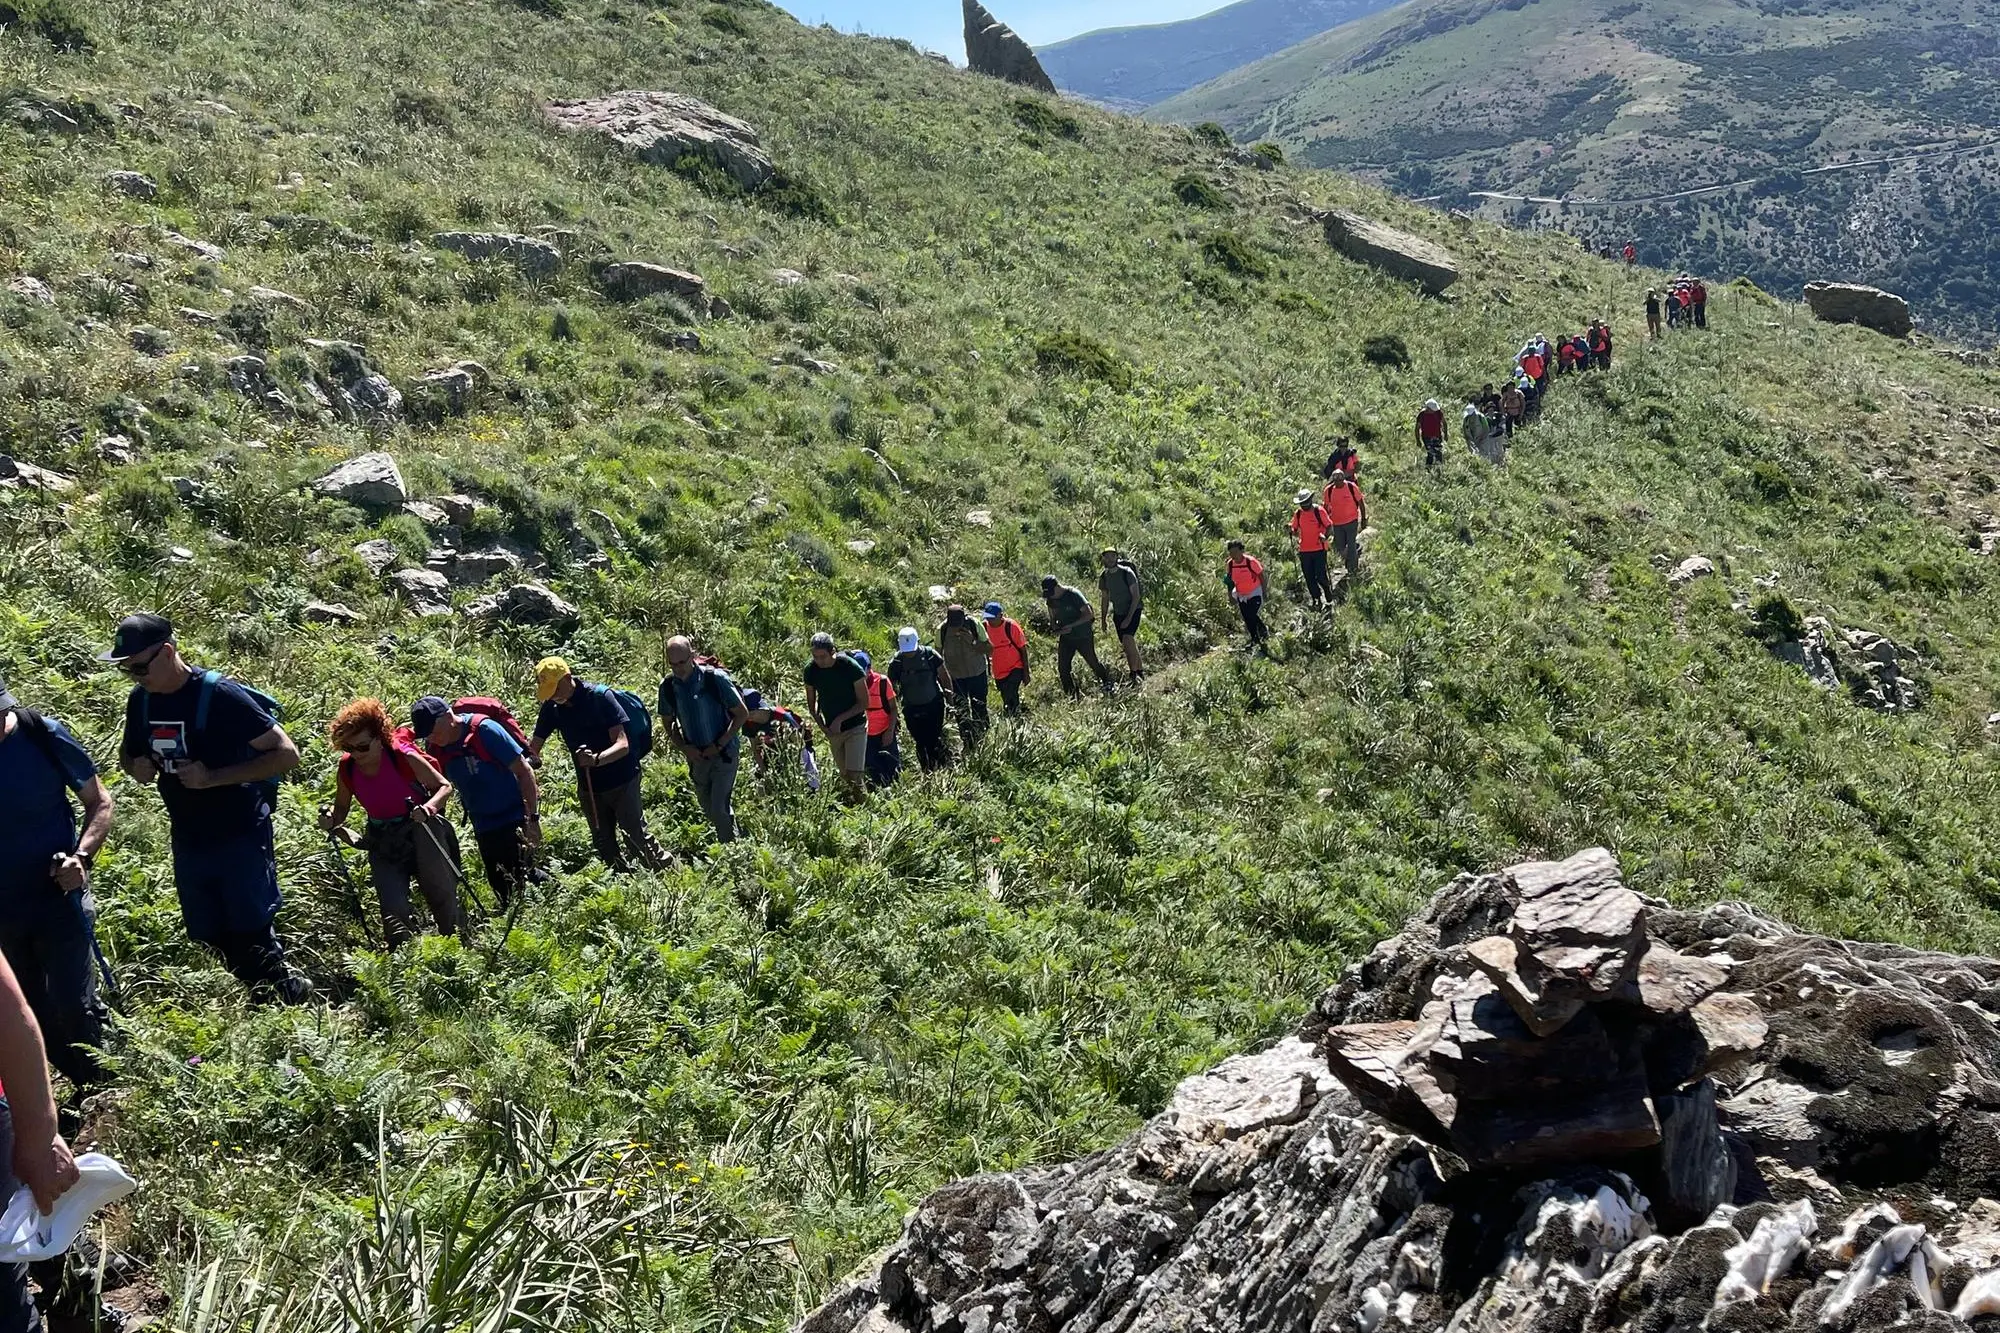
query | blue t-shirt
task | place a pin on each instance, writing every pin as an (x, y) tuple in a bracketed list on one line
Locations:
[(162, 726), (702, 703), (34, 792), (586, 722), (480, 767)]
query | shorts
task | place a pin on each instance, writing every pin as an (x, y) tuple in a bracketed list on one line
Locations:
[(850, 749), (1127, 628)]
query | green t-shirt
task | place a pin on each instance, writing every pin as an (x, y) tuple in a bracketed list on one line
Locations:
[(1070, 605), (837, 688), (1120, 585)]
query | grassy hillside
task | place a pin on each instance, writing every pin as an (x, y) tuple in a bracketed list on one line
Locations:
[(693, 1100), (1612, 107), (1135, 67)]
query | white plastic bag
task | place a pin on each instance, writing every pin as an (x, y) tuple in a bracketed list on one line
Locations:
[(27, 1236)]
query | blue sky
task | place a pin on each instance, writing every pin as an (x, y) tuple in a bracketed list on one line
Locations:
[(937, 23)]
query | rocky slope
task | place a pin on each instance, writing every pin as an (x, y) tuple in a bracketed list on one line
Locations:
[(1852, 140), (1724, 1124)]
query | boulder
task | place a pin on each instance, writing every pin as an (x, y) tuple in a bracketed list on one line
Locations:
[(526, 604), (272, 296), (199, 249), (378, 554), (427, 592), (478, 566), (18, 476), (329, 613), (351, 385), (992, 48), (31, 289), (372, 481), (1851, 303), (1690, 569), (452, 389), (633, 280), (134, 184), (535, 258), (459, 509), (1269, 1198), (1397, 253), (427, 514), (150, 340), (663, 128)]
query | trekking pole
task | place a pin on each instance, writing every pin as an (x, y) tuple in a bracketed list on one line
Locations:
[(461, 883), (589, 789), (521, 872), (346, 878)]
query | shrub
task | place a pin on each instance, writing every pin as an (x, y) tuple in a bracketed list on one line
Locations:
[(724, 21), (1069, 352), (1745, 287), (1386, 349), (1772, 483), (813, 553), (1039, 118), (1212, 134), (54, 21), (415, 110), (554, 9), (1270, 152), (1775, 620), (1230, 251), (1192, 189)]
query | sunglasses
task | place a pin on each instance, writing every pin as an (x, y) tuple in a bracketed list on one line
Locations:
[(359, 745), (135, 667)]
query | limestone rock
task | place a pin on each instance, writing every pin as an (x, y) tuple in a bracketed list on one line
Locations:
[(427, 592), (371, 481), (1851, 303), (662, 128), (1397, 253), (632, 280), (1258, 1202), (135, 184), (151, 340), (199, 249), (992, 48), (1690, 569), (787, 277), (979, 518), (378, 554), (31, 289), (272, 296), (18, 476), (526, 604), (351, 385), (330, 613), (427, 514), (533, 257), (452, 388), (478, 566)]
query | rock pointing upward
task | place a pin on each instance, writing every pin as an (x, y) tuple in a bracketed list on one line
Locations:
[(992, 48), (1737, 1128)]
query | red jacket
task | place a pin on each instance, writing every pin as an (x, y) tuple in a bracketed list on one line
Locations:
[(1343, 502), (1430, 424)]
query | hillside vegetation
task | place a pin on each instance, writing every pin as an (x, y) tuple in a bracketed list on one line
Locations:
[(1614, 106), (693, 1100)]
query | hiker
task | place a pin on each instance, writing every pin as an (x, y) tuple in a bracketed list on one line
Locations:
[(48, 920), (1535, 367), (488, 768), (885, 755), (32, 1149), (1349, 514), (1698, 302), (602, 728), (1513, 408), (1310, 527), (404, 797), (1075, 629), (1483, 437), (1430, 432), (1673, 304), (967, 653), (768, 726), (1600, 345), (1342, 459), (1243, 575), (1566, 355), (1009, 661), (1122, 607), (1489, 407), (921, 679), (1631, 254), (834, 696), (704, 714), (214, 749)]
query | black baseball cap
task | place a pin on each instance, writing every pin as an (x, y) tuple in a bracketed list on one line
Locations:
[(426, 713), (138, 633)]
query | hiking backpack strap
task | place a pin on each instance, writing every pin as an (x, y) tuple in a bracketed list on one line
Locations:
[(201, 699)]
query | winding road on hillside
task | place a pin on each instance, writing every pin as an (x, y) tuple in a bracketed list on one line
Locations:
[(1929, 153)]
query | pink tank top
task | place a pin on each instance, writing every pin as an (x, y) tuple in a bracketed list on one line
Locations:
[(386, 794)]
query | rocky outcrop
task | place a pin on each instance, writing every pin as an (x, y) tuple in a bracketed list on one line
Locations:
[(634, 280), (992, 48), (1870, 307), (1397, 253), (427, 592), (350, 385), (372, 481), (663, 128), (18, 476), (1552, 1106), (533, 257), (526, 604), (31, 289), (1878, 672), (135, 184)]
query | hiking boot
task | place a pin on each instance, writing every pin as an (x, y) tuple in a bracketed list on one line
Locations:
[(292, 989)]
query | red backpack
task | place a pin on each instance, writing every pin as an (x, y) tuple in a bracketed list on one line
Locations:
[(493, 710)]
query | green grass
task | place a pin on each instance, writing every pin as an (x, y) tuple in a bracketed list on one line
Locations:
[(774, 1050)]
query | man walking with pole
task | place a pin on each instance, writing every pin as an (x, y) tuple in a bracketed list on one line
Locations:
[(598, 730), (704, 714), (495, 786)]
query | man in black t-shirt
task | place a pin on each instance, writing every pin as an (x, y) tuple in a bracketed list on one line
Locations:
[(594, 729), (1076, 634), (215, 751)]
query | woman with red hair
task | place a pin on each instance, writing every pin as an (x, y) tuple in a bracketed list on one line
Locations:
[(408, 837)]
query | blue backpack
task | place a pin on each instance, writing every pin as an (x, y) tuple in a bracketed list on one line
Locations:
[(638, 722), (266, 790)]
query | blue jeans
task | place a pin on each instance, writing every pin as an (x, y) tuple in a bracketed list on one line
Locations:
[(49, 939), (228, 889)]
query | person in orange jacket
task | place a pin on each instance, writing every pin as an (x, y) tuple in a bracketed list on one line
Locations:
[(1243, 575)]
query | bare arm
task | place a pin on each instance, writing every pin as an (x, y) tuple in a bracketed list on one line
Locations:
[(343, 801), (621, 745), (41, 1158), (140, 768), (433, 782), (535, 748), (276, 756), (97, 807), (944, 679)]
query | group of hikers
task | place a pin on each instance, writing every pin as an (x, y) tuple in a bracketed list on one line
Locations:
[(1686, 305), (1493, 415)]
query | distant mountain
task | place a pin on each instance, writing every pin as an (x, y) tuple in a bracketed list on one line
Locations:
[(1845, 138), (1132, 68)]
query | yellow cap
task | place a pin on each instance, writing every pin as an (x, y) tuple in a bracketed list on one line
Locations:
[(550, 672)]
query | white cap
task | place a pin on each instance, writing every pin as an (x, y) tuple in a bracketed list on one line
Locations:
[(906, 639), (27, 1236)]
